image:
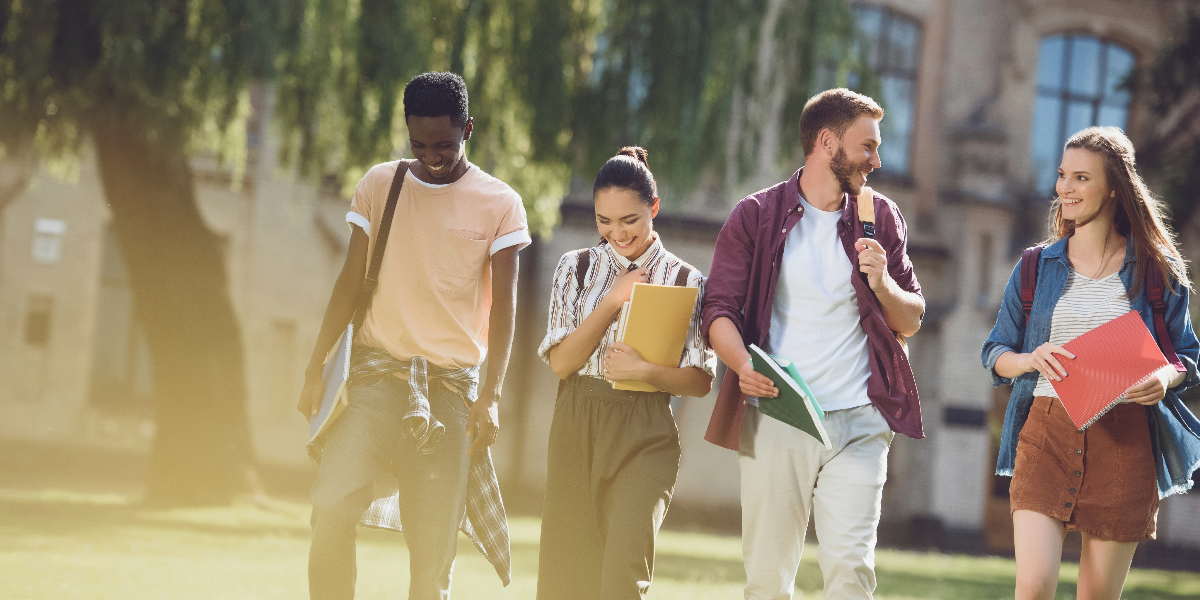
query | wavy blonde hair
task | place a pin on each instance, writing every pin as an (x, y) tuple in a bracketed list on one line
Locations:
[(1139, 213)]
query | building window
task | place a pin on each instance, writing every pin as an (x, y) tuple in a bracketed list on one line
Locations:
[(892, 48), (1081, 83), (37, 320), (47, 240)]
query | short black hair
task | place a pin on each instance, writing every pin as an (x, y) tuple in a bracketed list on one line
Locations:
[(435, 94)]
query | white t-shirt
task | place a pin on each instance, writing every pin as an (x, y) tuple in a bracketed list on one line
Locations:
[(814, 319)]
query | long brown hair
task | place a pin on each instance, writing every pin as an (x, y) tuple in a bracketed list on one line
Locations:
[(1139, 213)]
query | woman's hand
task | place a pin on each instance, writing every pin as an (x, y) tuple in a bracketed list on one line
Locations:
[(1149, 392), (622, 288), (1042, 360), (623, 363)]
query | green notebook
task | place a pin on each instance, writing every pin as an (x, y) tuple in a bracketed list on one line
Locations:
[(795, 404)]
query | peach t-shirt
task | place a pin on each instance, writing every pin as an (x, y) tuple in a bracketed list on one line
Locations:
[(435, 282)]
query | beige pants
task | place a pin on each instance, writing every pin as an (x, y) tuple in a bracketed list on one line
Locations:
[(787, 475), (613, 459)]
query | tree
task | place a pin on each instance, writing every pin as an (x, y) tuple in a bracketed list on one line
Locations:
[(1170, 157), (709, 87), (140, 80)]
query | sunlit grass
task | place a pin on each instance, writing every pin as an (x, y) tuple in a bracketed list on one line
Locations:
[(56, 545)]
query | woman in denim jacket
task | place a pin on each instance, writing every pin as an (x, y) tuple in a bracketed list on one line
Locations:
[(1099, 481)]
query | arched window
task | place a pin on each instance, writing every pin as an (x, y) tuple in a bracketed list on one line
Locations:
[(893, 51), (1081, 83)]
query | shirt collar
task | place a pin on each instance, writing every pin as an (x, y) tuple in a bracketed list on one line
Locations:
[(624, 263), (799, 206), (1059, 250)]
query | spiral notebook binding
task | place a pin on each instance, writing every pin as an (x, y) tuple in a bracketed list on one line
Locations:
[(1112, 404)]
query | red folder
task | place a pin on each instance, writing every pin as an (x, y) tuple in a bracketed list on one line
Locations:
[(1108, 360)]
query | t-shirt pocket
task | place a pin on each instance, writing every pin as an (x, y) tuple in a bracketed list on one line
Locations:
[(460, 261)]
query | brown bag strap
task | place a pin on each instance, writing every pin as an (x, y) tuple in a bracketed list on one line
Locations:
[(685, 271), (385, 227), (583, 262)]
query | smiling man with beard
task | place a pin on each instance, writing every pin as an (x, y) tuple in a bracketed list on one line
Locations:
[(798, 274)]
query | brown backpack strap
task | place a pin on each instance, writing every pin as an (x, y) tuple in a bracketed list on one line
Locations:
[(385, 227), (583, 262), (685, 271)]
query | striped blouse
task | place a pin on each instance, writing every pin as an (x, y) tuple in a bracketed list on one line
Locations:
[(1085, 304), (569, 305)]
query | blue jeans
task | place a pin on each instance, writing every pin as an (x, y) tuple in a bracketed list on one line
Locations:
[(366, 442)]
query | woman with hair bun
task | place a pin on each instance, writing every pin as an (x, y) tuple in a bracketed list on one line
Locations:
[(613, 454), (1110, 248)]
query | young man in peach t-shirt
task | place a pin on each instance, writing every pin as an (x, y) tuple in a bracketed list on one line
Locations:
[(414, 437)]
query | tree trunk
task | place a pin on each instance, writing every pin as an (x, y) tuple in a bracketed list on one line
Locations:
[(177, 274)]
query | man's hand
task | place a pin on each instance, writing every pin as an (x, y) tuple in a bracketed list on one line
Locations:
[(872, 260), (754, 383), (310, 394), (483, 423)]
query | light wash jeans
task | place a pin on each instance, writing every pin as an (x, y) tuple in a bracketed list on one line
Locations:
[(786, 475), (362, 443)]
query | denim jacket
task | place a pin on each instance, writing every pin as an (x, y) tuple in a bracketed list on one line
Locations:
[(1174, 430)]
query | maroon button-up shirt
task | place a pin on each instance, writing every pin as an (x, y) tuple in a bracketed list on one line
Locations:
[(741, 287)]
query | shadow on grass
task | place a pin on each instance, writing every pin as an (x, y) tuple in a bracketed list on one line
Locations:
[(61, 517)]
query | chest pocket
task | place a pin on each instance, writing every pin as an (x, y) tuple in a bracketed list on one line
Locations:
[(460, 259)]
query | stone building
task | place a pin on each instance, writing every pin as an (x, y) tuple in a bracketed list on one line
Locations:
[(980, 95)]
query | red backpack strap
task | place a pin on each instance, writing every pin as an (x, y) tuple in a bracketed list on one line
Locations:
[(1156, 290), (1029, 272)]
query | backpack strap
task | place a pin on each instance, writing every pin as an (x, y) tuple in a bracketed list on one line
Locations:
[(385, 228), (866, 211), (1156, 292), (685, 271), (583, 262), (1029, 272)]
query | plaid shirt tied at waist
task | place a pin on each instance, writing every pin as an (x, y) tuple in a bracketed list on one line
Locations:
[(485, 523)]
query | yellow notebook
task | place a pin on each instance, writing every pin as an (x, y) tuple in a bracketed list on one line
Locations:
[(655, 321)]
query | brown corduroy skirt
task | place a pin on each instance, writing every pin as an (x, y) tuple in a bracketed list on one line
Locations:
[(1099, 480)]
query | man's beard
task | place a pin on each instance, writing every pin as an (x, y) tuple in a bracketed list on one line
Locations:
[(843, 170)]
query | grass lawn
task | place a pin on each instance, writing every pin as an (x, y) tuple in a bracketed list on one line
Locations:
[(57, 545)]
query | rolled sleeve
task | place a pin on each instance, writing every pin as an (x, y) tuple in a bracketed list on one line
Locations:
[(562, 320), (517, 238), (990, 362), (353, 218), (514, 227)]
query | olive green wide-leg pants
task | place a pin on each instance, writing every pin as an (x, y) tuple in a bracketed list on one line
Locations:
[(613, 460)]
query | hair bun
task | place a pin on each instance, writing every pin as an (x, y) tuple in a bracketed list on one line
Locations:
[(637, 152)]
